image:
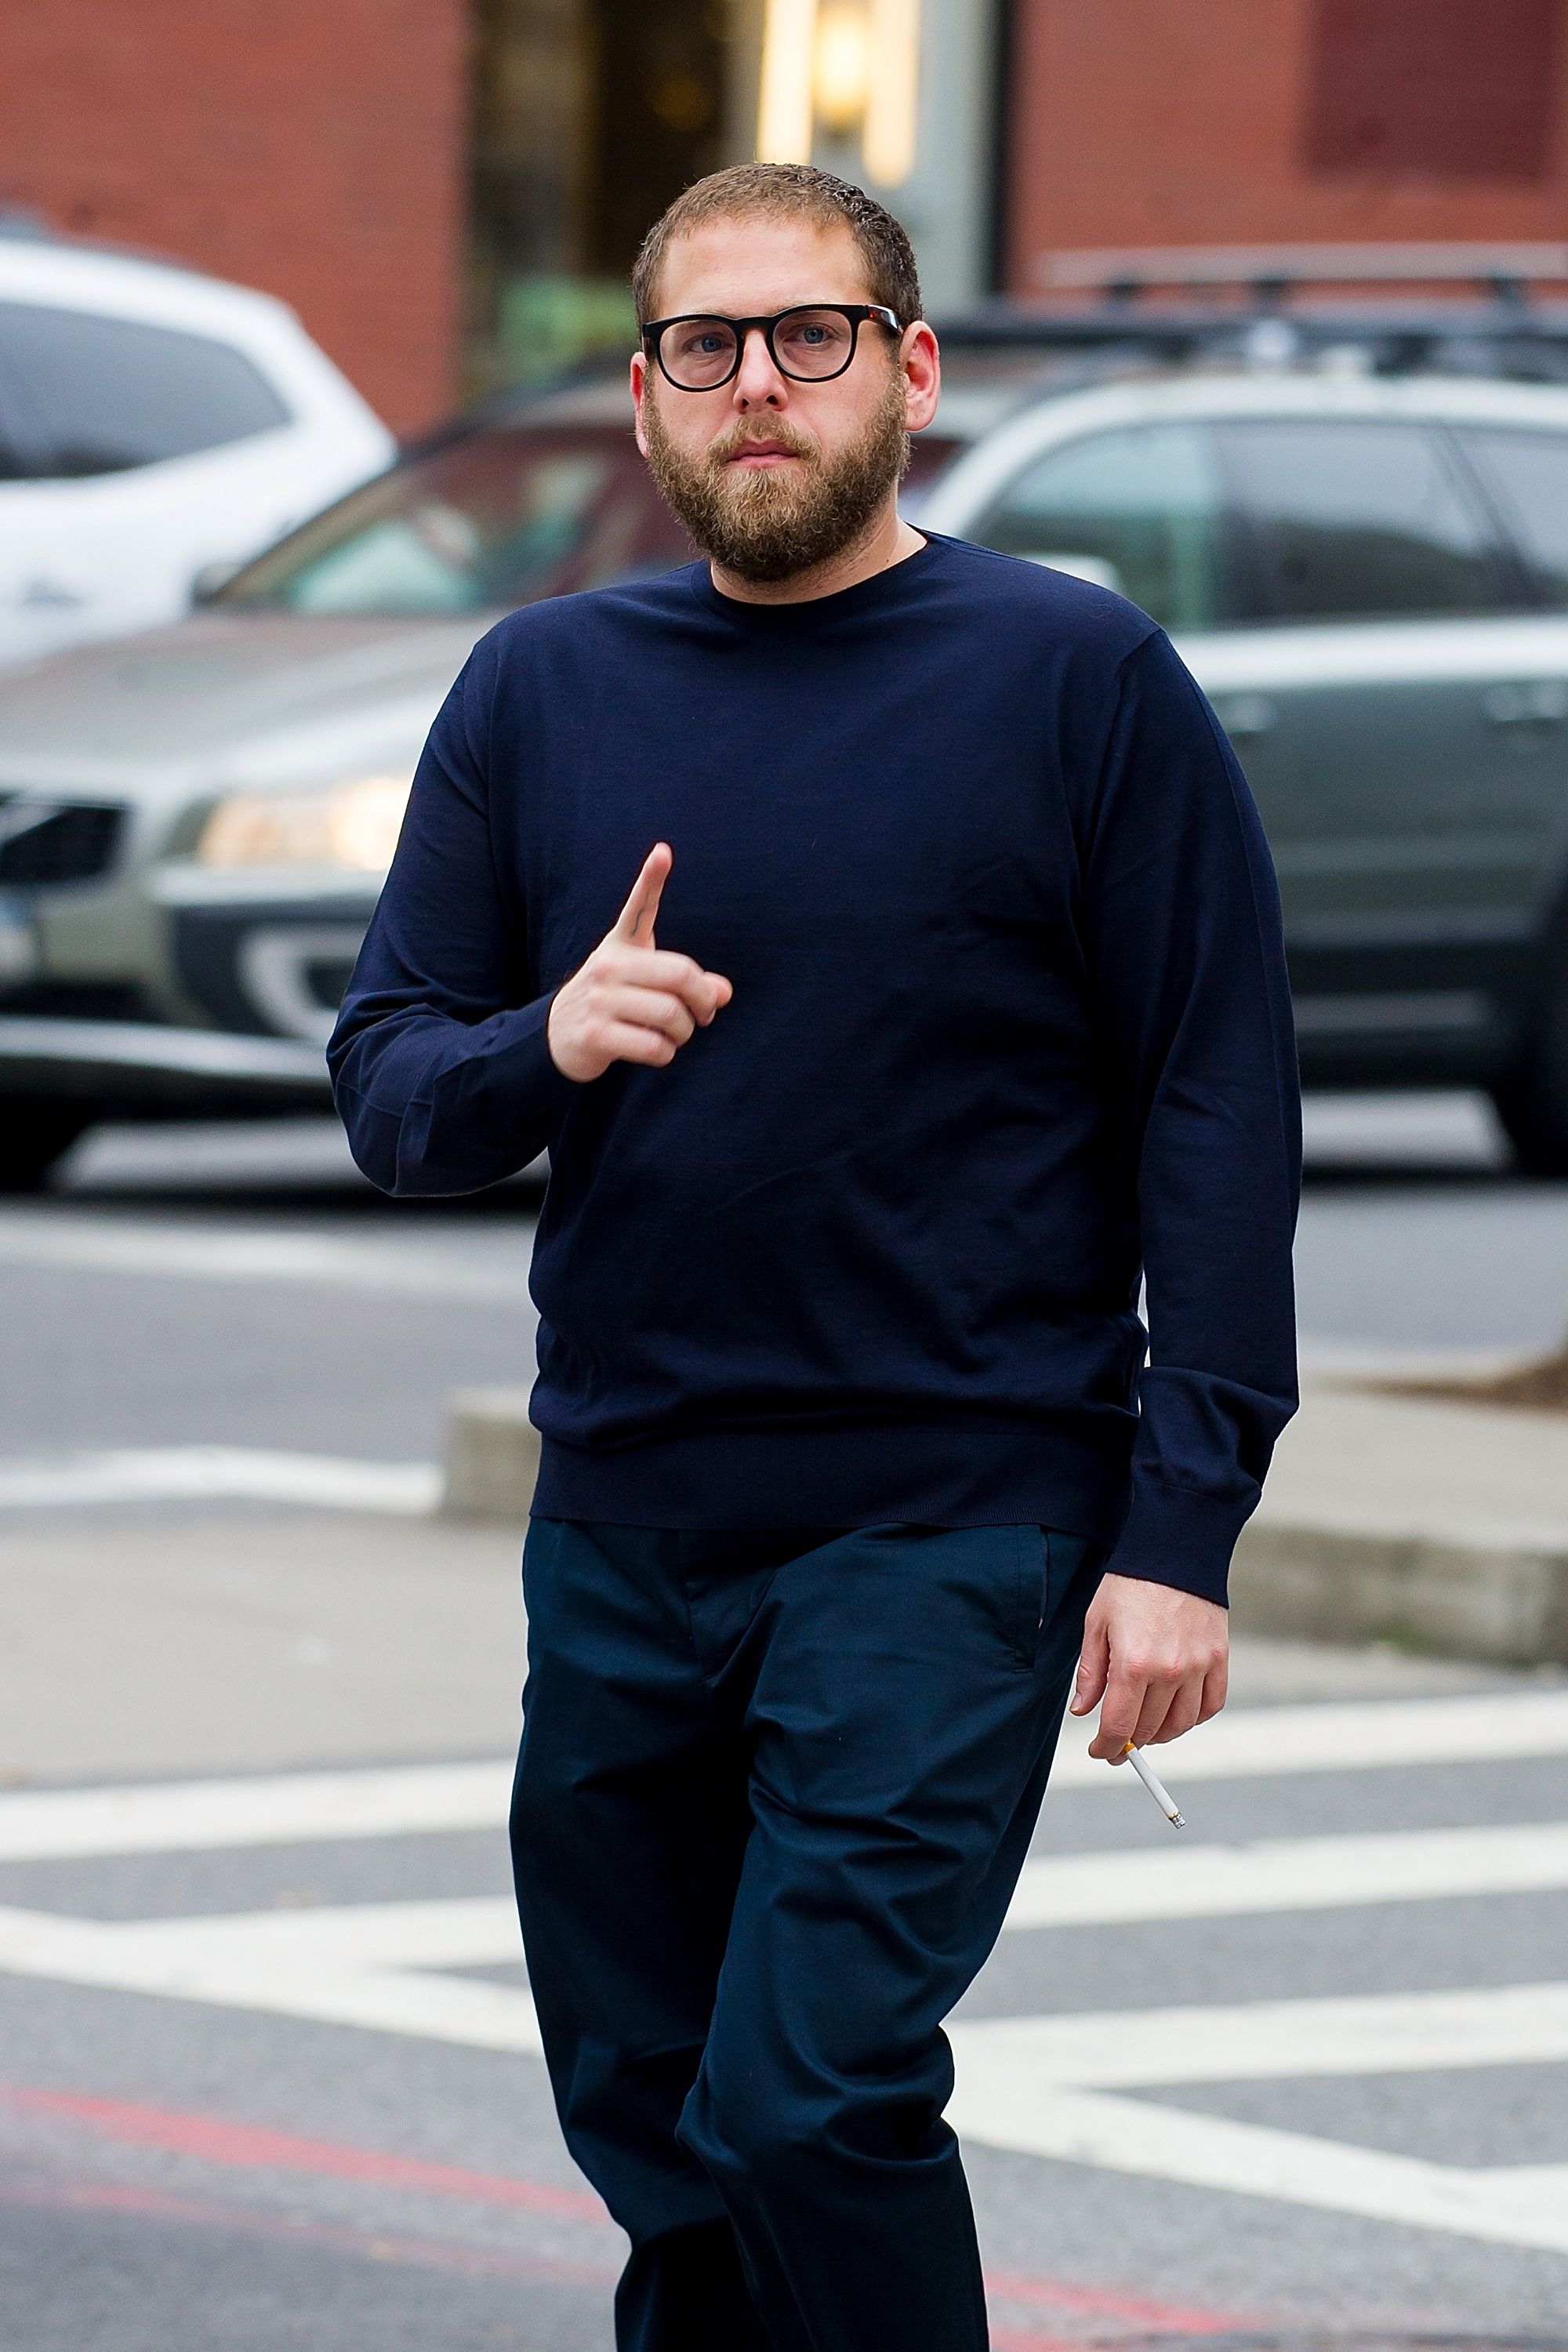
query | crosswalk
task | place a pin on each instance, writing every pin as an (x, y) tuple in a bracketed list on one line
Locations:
[(1074, 2088)]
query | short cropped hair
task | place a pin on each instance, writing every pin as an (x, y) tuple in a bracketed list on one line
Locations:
[(760, 189)]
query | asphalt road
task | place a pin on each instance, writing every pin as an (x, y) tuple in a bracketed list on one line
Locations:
[(268, 2077)]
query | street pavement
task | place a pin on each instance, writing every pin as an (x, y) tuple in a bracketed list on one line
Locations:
[(270, 2076)]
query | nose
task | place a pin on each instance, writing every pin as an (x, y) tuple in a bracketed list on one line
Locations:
[(758, 382)]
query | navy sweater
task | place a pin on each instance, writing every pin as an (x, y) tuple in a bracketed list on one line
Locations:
[(1010, 1025)]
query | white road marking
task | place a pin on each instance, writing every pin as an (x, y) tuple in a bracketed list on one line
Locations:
[(1270, 2040), (219, 1473), (1349, 1736), (286, 1808), (492, 1276), (1204, 1882), (175, 1816), (1019, 2080), (1516, 2205), (357, 1965)]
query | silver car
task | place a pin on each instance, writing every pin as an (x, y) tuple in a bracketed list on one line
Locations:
[(1368, 574)]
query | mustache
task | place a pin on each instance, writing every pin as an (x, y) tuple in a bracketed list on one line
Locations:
[(783, 436)]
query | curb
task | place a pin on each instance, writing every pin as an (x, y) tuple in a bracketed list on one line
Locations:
[(1495, 1600), (491, 1456), (1495, 1597)]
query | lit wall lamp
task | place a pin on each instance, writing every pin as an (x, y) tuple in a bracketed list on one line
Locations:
[(845, 65), (892, 90)]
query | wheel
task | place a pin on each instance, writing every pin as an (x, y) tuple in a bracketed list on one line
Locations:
[(1531, 1098), (33, 1137)]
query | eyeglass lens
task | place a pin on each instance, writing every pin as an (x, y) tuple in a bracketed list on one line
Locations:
[(810, 344)]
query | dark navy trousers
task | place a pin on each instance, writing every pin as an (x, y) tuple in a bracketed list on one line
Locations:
[(774, 1791)]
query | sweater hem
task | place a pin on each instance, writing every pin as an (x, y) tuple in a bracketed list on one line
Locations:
[(911, 1474)]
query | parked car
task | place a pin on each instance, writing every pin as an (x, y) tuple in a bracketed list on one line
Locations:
[(1369, 577), (153, 423), (1369, 574)]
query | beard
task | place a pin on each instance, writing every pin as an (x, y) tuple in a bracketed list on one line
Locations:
[(767, 525)]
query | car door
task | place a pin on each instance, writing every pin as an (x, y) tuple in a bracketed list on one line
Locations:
[(1142, 507), (1524, 472), (1371, 695)]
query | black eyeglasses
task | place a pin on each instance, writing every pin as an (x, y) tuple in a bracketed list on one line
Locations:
[(812, 343)]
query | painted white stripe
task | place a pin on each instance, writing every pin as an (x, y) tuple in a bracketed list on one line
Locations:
[(219, 1473), (491, 1274), (358, 1966), (1267, 2041), (1205, 1882), (1520, 2205), (173, 1817), (339, 1966), (285, 1810), (1348, 1736)]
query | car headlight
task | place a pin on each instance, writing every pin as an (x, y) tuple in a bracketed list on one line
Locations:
[(354, 823)]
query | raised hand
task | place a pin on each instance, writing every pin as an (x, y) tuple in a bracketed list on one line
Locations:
[(630, 1001)]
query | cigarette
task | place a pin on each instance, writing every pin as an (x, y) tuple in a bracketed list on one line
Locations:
[(1155, 1785)]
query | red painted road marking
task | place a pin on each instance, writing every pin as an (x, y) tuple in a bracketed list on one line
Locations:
[(256, 2220), (215, 2139), (1100, 2302), (252, 2146)]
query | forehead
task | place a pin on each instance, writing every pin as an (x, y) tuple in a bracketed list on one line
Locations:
[(759, 263)]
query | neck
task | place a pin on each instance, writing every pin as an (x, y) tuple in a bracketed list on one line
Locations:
[(887, 540)]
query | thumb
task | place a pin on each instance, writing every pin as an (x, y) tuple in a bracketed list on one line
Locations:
[(635, 922), (1093, 1666)]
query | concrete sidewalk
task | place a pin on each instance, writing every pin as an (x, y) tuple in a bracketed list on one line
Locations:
[(198, 1640)]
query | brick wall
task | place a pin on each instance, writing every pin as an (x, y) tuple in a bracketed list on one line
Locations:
[(313, 148), (1240, 121)]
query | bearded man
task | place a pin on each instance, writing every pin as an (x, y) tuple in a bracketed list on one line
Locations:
[(966, 1008)]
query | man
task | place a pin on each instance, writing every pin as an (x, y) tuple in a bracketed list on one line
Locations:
[(948, 994)]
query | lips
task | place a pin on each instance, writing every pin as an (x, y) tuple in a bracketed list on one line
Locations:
[(756, 451)]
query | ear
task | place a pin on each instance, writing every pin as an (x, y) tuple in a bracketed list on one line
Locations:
[(922, 364), (639, 395)]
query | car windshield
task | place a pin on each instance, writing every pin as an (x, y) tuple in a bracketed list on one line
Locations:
[(503, 515)]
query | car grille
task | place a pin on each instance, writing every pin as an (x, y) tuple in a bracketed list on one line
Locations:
[(45, 841)]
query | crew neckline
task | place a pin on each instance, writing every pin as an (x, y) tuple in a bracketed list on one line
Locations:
[(811, 610)]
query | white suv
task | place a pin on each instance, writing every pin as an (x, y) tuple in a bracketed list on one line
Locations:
[(153, 424)]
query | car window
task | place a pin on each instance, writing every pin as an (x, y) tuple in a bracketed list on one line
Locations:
[(503, 515), (97, 396), (1355, 519), (1138, 509), (1527, 474)]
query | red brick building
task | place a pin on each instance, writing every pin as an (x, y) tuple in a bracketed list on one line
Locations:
[(315, 147), (1155, 123), (402, 171)]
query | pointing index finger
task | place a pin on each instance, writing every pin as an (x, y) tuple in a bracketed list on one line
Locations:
[(635, 920)]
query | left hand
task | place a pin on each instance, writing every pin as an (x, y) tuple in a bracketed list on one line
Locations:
[(1156, 1656)]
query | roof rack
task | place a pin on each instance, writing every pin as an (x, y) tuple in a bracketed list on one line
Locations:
[(1390, 310), (1271, 270)]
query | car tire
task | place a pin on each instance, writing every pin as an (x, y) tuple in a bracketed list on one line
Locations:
[(1531, 1097), (34, 1136)]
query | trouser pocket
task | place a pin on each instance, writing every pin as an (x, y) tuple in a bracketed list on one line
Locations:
[(1048, 1560)]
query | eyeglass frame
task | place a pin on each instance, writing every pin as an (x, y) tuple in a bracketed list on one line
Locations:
[(769, 321)]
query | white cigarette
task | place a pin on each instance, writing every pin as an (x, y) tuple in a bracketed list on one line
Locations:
[(1155, 1785)]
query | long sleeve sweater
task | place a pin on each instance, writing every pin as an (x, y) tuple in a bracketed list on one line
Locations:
[(1010, 1038)]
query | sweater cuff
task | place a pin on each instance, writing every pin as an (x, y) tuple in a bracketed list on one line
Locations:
[(1176, 1536), (499, 1105)]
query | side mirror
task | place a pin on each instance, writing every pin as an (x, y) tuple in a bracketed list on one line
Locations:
[(211, 580)]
